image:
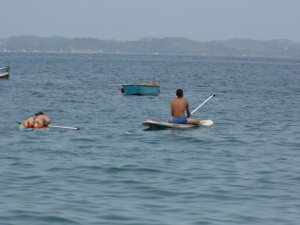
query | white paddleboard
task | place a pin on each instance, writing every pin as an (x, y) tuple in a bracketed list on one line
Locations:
[(162, 125)]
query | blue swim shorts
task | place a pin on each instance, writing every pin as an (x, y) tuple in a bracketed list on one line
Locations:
[(182, 120)]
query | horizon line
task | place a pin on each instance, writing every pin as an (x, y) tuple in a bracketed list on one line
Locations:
[(145, 38)]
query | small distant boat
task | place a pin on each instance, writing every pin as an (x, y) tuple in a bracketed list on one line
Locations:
[(148, 88), (4, 72)]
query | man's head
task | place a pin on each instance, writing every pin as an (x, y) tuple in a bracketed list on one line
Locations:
[(179, 93), (39, 113)]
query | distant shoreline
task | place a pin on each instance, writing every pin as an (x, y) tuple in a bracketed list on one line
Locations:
[(152, 46), (103, 53)]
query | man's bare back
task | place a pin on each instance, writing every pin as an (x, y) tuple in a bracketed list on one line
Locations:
[(178, 108)]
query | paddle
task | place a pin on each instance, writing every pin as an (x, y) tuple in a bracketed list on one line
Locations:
[(72, 128), (202, 104)]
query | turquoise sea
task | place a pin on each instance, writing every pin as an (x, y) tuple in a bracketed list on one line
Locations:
[(245, 169)]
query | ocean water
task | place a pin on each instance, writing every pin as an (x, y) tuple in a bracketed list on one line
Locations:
[(245, 169)]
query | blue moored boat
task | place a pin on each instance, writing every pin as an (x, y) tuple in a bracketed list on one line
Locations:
[(4, 72), (151, 88)]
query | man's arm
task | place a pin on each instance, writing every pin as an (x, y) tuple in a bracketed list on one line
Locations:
[(188, 109), (172, 110)]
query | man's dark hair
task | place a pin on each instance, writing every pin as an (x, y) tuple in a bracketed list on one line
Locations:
[(179, 93), (39, 113)]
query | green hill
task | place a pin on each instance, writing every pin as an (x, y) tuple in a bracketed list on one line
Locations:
[(168, 45)]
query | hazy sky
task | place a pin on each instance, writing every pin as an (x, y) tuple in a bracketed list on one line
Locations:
[(201, 20)]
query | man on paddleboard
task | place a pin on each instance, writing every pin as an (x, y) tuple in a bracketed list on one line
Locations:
[(178, 108), (39, 120)]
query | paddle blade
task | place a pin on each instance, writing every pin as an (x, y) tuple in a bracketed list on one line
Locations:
[(207, 123)]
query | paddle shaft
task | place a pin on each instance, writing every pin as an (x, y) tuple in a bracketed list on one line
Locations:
[(72, 128), (202, 104)]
